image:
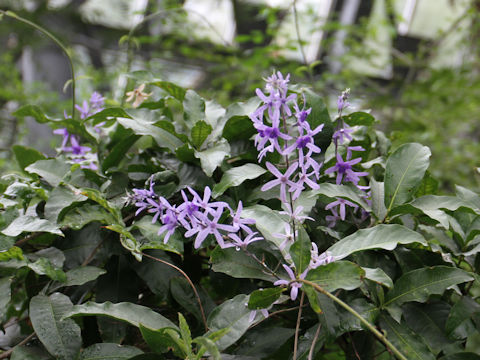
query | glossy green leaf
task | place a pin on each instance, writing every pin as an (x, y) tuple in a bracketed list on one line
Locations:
[(419, 284), (359, 118), (26, 156), (211, 158), (208, 345), (404, 173), (199, 133), (263, 298), (185, 334), (193, 107), (267, 221), (337, 275), (238, 264), (379, 276), (14, 253), (378, 203), (233, 314), (162, 340), (300, 251), (405, 340), (236, 176), (459, 322), (52, 170), (30, 352), (60, 198), (82, 275), (383, 236), (61, 337), (44, 266), (27, 223), (319, 115), (117, 154), (79, 216), (109, 351), (5, 294), (124, 311), (183, 293), (176, 91), (142, 127), (155, 241)]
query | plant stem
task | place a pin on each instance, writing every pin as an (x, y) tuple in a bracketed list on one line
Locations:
[(204, 319), (12, 15), (297, 327), (7, 353), (315, 338), (352, 311)]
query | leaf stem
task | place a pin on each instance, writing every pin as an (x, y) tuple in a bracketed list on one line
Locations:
[(204, 319), (13, 15), (297, 327), (9, 352), (352, 311)]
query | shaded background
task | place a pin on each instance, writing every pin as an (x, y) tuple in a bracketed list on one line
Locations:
[(415, 64)]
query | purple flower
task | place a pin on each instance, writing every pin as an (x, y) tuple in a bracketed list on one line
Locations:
[(204, 203), (84, 109), (66, 136), (341, 204), (210, 226), (317, 260), (344, 168), (282, 180), (276, 83), (239, 243), (304, 178), (76, 148), (269, 134), (170, 223), (288, 236), (294, 285), (332, 219), (97, 102), (342, 134), (253, 314), (239, 223), (295, 215), (302, 114), (342, 102)]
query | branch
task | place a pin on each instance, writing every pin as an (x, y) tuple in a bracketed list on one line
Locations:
[(352, 311), (7, 353)]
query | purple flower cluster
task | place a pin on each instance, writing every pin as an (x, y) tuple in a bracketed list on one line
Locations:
[(198, 216), (76, 152), (282, 127), (343, 168)]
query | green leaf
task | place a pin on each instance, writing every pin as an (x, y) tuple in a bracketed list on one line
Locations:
[(460, 356), (300, 251), (378, 195), (176, 91), (27, 223), (52, 170), (109, 351), (344, 191), (406, 341), (459, 322), (26, 156), (155, 241), (208, 345), (404, 173), (61, 337), (185, 333), (142, 127), (193, 107), (162, 340), (238, 127), (100, 199), (79, 216), (82, 275), (233, 314), (419, 284), (212, 157), (118, 152), (383, 236), (263, 298), (13, 253), (428, 320), (183, 293), (44, 266), (319, 115), (379, 276), (337, 275), (199, 133), (30, 352), (359, 118), (267, 221), (236, 176), (60, 198), (5, 295), (124, 311), (238, 264)]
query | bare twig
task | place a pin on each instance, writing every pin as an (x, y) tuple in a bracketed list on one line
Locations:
[(189, 281), (315, 338)]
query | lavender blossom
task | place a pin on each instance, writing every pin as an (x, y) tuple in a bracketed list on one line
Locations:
[(239, 243), (282, 180), (341, 204), (294, 285)]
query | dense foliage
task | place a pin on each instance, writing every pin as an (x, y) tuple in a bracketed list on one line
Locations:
[(179, 228)]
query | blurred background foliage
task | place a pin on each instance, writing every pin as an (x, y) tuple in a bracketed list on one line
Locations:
[(415, 64)]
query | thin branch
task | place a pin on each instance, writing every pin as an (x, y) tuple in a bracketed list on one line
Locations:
[(352, 311), (13, 15), (297, 30), (7, 353), (189, 281), (353, 346), (315, 338), (297, 327)]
